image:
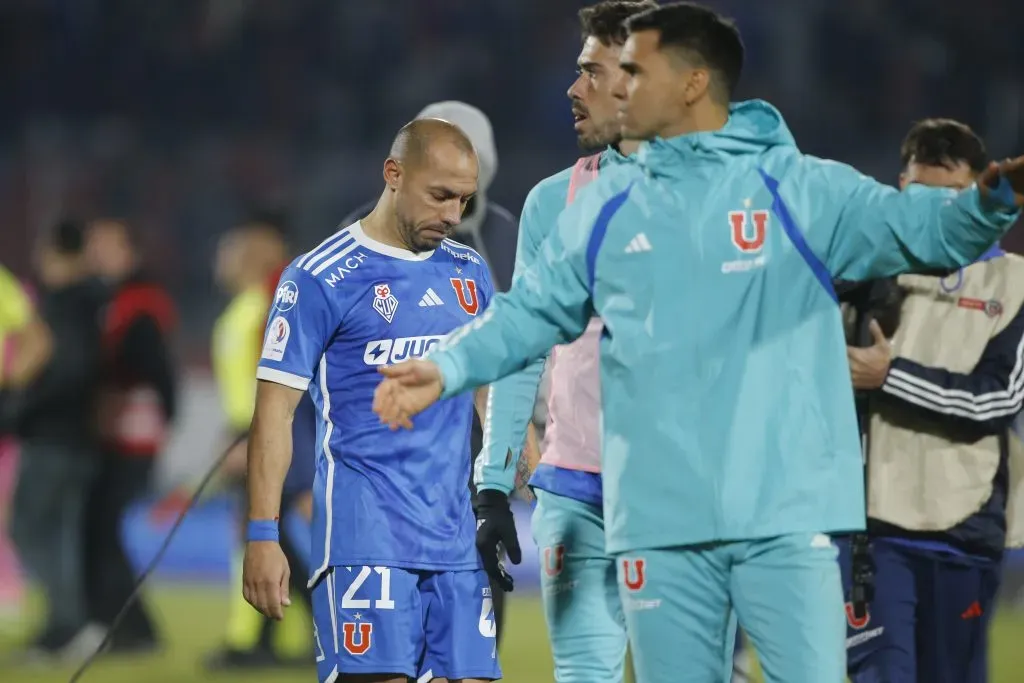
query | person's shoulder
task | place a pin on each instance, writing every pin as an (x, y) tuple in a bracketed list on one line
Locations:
[(551, 191), (337, 264), (461, 255)]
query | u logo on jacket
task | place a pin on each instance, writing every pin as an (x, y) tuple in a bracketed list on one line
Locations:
[(633, 573), (749, 234)]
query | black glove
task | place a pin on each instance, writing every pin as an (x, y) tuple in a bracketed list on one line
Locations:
[(496, 527)]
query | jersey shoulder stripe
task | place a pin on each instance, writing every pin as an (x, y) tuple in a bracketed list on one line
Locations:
[(329, 253)]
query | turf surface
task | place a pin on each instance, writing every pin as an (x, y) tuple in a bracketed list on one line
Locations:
[(193, 620)]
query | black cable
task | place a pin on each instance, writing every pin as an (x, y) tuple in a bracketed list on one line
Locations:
[(144, 576)]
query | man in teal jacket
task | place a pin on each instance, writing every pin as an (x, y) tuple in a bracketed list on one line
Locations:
[(730, 448)]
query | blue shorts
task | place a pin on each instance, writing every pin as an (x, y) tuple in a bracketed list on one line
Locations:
[(786, 593), (420, 624), (579, 591)]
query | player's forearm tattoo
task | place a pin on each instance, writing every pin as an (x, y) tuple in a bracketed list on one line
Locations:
[(522, 474)]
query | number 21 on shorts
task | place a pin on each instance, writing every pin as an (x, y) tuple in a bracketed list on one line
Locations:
[(349, 601), (357, 636)]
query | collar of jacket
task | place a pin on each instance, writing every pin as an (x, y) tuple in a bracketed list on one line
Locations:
[(753, 127)]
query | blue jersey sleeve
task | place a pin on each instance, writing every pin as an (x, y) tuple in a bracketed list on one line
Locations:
[(549, 305), (511, 400), (863, 229), (301, 323)]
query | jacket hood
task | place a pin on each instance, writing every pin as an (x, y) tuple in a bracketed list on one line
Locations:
[(753, 127), (477, 127)]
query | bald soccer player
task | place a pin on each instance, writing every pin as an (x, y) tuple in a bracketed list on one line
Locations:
[(398, 588)]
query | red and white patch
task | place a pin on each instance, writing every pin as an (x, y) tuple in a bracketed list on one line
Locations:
[(465, 291), (854, 622), (633, 574), (554, 557), (357, 637), (992, 308), (749, 234)]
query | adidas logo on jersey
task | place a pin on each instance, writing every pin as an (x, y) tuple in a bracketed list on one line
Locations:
[(431, 299), (638, 244)]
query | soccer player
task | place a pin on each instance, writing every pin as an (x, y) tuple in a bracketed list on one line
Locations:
[(730, 445), (486, 227), (578, 586), (943, 397), (398, 587)]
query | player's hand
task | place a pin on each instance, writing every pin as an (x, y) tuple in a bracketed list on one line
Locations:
[(496, 527), (265, 577), (1010, 169), (869, 366), (409, 388)]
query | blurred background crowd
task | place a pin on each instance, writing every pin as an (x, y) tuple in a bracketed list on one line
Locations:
[(187, 118)]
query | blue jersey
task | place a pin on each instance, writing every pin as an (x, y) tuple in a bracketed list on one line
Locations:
[(349, 306)]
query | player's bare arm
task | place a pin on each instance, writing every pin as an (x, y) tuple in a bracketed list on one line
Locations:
[(530, 455), (265, 570)]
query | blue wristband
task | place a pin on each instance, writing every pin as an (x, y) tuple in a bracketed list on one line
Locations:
[(262, 530)]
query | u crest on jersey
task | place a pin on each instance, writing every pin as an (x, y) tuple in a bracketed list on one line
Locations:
[(465, 292), (749, 230), (357, 643)]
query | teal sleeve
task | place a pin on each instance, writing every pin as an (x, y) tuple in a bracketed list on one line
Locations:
[(548, 305), (863, 229), (511, 400)]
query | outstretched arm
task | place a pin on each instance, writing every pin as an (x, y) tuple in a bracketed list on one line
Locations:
[(551, 304), (862, 229)]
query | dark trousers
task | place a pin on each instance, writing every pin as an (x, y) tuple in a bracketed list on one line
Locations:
[(928, 622), (50, 500), (109, 576)]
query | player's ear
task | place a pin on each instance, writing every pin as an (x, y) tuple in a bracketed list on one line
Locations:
[(696, 84), (393, 173), (903, 181)]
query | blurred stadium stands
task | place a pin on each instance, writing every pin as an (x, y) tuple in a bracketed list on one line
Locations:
[(182, 114)]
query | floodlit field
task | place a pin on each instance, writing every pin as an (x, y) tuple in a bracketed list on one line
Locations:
[(193, 619)]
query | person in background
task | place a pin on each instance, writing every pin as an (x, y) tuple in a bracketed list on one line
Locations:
[(54, 417), (490, 230), (943, 397), (137, 405), (248, 257), (25, 345)]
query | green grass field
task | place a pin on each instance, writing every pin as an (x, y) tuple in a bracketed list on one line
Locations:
[(193, 620)]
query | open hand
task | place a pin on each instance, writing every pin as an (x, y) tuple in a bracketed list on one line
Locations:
[(1012, 170), (265, 575), (408, 388)]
